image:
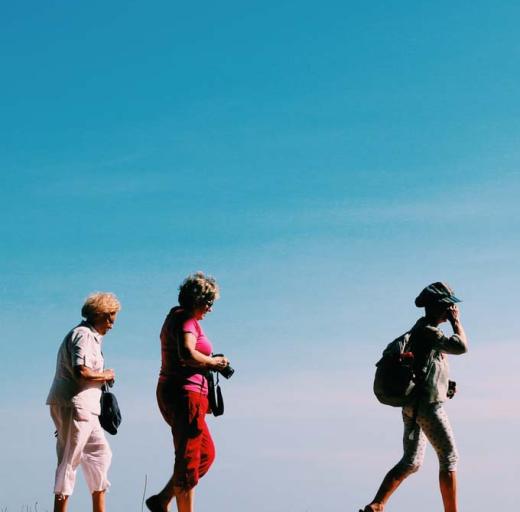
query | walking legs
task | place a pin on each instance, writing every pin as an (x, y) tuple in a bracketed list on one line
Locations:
[(185, 499), (448, 484), (60, 503), (392, 480), (98, 501)]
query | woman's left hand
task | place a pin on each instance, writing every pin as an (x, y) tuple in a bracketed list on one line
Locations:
[(219, 362)]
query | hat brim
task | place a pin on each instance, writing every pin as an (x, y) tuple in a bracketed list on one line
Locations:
[(451, 299)]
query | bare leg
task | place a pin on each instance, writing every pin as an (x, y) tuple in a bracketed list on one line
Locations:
[(393, 479), (98, 501), (448, 484), (185, 499), (60, 503)]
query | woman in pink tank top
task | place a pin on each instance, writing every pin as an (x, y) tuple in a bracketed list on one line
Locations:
[(182, 390)]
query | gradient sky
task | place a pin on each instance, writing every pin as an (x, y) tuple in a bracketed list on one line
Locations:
[(324, 161)]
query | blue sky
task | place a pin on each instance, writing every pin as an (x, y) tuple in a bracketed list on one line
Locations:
[(324, 161)]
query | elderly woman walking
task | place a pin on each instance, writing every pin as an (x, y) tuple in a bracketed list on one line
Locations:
[(182, 391), (74, 401), (426, 418)]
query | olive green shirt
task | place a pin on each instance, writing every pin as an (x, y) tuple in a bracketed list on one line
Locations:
[(429, 338)]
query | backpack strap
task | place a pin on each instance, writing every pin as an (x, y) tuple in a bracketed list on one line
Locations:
[(421, 366)]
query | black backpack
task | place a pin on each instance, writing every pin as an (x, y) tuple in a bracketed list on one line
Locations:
[(395, 378)]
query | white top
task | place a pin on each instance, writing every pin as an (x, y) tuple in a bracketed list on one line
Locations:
[(80, 347)]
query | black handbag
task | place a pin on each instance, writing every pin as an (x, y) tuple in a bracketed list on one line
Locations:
[(110, 416)]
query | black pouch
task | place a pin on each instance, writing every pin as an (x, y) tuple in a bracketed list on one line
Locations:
[(110, 417)]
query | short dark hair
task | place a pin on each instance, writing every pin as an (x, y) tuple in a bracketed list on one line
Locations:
[(197, 290)]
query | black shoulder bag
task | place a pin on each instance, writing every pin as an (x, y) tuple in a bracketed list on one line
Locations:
[(110, 416)]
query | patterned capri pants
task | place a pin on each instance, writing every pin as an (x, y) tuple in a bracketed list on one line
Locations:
[(432, 424)]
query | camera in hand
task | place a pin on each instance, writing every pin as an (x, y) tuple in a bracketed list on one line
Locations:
[(227, 371)]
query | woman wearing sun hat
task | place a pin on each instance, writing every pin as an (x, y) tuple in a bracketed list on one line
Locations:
[(427, 419)]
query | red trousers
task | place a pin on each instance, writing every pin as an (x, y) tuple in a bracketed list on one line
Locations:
[(185, 412)]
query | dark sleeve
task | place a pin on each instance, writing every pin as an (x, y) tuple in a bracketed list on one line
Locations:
[(439, 341)]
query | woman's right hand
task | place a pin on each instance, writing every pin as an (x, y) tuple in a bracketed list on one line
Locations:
[(453, 313), (219, 362), (109, 375)]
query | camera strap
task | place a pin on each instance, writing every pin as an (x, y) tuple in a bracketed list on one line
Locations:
[(215, 398)]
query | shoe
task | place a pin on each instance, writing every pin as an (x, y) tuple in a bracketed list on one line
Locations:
[(154, 505)]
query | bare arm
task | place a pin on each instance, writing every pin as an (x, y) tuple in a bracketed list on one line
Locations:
[(86, 373), (196, 359)]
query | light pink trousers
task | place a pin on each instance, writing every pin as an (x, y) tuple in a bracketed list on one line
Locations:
[(81, 440)]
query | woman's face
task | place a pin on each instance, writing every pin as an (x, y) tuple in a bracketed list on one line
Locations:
[(105, 322), (200, 312), (441, 313)]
